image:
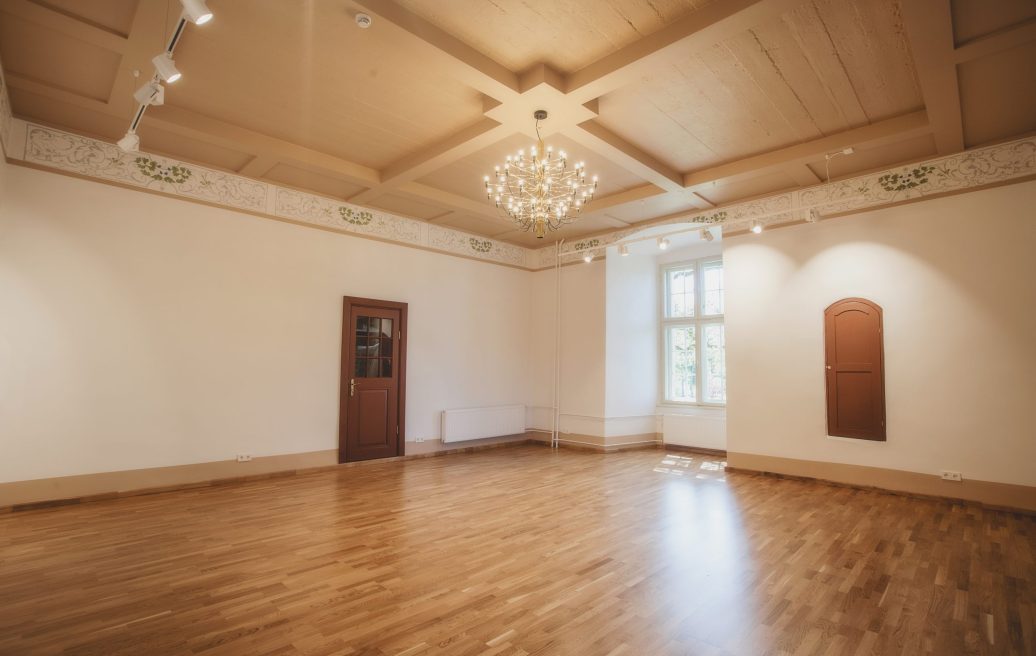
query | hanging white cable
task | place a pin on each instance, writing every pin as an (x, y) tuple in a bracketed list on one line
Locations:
[(555, 438)]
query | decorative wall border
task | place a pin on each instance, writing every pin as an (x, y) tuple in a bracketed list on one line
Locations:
[(969, 170), (64, 151)]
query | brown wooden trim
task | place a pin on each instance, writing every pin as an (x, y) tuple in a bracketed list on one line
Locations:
[(343, 402), (230, 480), (716, 453), (988, 494)]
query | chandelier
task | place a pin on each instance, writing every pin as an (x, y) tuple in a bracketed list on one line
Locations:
[(539, 191)]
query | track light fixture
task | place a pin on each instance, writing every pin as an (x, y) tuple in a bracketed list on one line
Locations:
[(166, 67), (588, 257), (663, 243), (624, 250), (706, 235), (129, 143), (813, 216), (151, 93), (757, 227), (196, 11)]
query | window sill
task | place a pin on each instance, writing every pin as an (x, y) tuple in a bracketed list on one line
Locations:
[(691, 410)]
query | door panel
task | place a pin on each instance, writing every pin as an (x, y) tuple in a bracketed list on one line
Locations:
[(374, 423), (373, 367), (855, 370)]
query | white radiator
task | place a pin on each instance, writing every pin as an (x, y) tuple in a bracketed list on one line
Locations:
[(476, 423)]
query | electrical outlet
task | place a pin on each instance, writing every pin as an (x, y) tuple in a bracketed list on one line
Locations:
[(952, 476), (244, 457), (420, 439)]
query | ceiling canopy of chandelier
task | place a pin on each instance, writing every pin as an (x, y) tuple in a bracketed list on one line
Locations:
[(539, 191)]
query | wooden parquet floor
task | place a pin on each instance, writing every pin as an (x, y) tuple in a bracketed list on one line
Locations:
[(519, 551)]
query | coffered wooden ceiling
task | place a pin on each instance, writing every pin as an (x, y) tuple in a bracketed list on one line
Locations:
[(678, 105)]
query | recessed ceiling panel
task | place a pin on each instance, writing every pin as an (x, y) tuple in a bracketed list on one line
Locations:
[(977, 18), (41, 54), (407, 206), (722, 193), (317, 182), (869, 159), (651, 208), (566, 35), (116, 16), (824, 68), (177, 146), (34, 107), (995, 103), (305, 73), (479, 225)]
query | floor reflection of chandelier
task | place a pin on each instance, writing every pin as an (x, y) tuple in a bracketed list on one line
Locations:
[(539, 191)]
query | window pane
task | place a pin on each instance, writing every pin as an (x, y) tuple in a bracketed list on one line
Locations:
[(681, 365), (712, 278), (715, 382), (680, 287)]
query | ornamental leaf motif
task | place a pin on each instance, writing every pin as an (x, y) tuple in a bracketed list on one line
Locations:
[(585, 244), (480, 245), (902, 181), (173, 174), (715, 217), (349, 215)]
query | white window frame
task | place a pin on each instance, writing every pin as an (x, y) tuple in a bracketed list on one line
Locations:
[(698, 321)]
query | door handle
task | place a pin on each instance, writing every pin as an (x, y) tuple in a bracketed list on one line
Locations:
[(352, 387), (828, 367)]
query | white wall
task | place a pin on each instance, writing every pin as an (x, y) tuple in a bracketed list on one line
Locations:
[(631, 344), (582, 348), (141, 331), (956, 278)]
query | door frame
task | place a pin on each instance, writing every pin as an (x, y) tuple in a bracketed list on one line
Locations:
[(343, 392)]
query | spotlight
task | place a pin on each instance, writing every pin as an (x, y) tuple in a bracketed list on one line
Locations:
[(757, 227), (196, 11), (151, 93), (663, 243), (706, 235), (624, 250), (588, 257), (813, 215), (129, 143), (166, 68)]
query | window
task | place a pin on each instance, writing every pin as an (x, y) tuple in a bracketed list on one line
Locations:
[(693, 337)]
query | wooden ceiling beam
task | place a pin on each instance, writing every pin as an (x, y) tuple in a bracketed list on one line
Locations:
[(704, 27), (473, 138), (469, 65), (148, 34), (66, 24), (876, 134), (929, 28), (603, 141)]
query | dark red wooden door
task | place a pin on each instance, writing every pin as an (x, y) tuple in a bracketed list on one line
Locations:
[(855, 370), (372, 375)]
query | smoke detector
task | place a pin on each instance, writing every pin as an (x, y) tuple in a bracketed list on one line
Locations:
[(364, 21)]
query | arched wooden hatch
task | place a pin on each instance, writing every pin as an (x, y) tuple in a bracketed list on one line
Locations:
[(855, 369)]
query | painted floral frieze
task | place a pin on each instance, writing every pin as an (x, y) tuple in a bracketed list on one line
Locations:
[(89, 157), (317, 210)]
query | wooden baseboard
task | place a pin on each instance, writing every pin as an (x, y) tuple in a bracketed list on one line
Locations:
[(68, 490), (600, 444), (716, 453), (999, 496)]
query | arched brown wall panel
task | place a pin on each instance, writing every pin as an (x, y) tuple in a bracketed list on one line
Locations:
[(855, 369)]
